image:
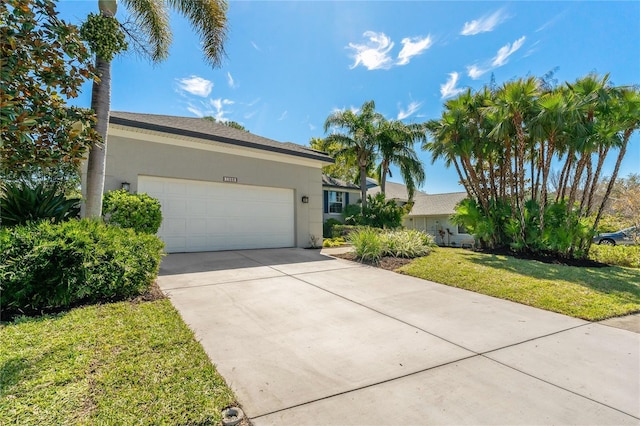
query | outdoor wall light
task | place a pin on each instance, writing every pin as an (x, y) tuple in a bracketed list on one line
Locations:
[(126, 186), (305, 199)]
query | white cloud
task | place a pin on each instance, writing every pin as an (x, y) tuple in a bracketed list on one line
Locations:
[(255, 46), (283, 116), (311, 127), (218, 111), (412, 47), (195, 111), (507, 50), (483, 24), (449, 89), (475, 72), (411, 109), (196, 85), (230, 81), (374, 54)]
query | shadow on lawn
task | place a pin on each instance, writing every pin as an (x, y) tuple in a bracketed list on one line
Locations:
[(610, 279)]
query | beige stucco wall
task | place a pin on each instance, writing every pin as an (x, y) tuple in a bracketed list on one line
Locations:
[(432, 224), (130, 157)]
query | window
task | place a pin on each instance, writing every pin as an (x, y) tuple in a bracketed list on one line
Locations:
[(336, 201), (462, 229)]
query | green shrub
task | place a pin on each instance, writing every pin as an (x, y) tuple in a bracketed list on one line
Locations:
[(367, 244), (49, 266), (628, 256), (345, 230), (408, 243), (382, 213), (334, 242), (138, 211), (327, 227), (352, 214), (371, 244), (23, 202)]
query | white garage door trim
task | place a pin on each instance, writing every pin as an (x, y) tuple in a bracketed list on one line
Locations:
[(212, 216)]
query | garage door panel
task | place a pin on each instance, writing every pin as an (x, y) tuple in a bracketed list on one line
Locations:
[(203, 216)]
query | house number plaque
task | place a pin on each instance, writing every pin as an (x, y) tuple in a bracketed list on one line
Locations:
[(231, 179)]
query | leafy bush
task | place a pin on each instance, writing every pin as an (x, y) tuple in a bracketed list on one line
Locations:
[(334, 242), (345, 230), (138, 211), (23, 202), (380, 213), (370, 244), (327, 227), (565, 234), (628, 256), (49, 266), (367, 244), (408, 243), (352, 214)]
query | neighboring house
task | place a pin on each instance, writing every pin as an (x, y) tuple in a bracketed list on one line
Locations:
[(432, 214), (336, 195), (394, 191), (220, 188)]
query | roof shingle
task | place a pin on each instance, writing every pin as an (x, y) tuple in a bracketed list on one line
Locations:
[(210, 131)]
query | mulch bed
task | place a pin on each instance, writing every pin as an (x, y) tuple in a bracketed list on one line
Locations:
[(542, 257), (389, 263), (393, 263), (154, 293)]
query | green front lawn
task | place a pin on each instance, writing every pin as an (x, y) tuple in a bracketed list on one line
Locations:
[(588, 293), (120, 363)]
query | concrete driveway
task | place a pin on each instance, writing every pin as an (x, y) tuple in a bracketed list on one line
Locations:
[(306, 339)]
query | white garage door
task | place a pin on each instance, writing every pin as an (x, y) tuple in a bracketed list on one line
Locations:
[(209, 216)]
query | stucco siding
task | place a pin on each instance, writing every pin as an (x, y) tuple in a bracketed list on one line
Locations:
[(433, 224)]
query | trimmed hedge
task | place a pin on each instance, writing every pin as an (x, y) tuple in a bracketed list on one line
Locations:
[(138, 211), (47, 267)]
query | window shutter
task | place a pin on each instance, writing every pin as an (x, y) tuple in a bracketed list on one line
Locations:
[(326, 201), (346, 199)]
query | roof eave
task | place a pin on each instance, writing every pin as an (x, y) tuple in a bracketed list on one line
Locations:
[(199, 135)]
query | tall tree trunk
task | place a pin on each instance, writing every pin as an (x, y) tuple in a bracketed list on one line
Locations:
[(614, 175), (101, 105), (384, 169), (601, 157), (363, 183)]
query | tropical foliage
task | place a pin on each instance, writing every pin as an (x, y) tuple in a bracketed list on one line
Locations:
[(378, 213), (370, 245), (151, 36), (504, 142), (43, 63), (23, 202), (52, 266), (359, 139)]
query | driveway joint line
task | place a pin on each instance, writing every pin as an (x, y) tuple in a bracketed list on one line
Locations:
[(474, 355), (225, 282), (558, 386)]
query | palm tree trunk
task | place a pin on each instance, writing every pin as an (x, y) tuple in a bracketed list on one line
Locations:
[(363, 186), (596, 178), (614, 175), (101, 104), (384, 169)]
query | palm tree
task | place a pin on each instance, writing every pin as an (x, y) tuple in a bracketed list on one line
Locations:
[(395, 145), (208, 19), (359, 138), (513, 108)]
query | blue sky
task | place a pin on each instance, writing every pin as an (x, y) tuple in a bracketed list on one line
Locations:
[(290, 64)]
